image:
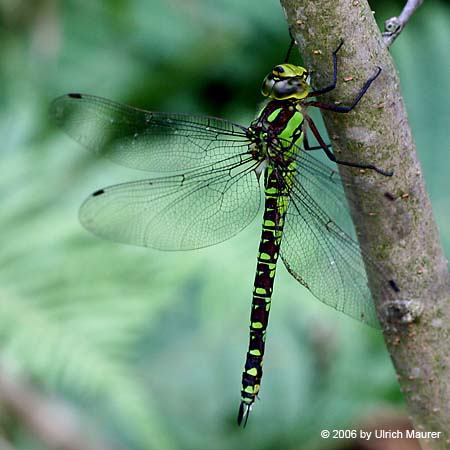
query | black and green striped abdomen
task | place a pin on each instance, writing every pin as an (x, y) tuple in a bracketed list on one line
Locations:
[(278, 179), (269, 249)]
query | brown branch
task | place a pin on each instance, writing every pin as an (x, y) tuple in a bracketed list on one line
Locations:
[(394, 220), (51, 421)]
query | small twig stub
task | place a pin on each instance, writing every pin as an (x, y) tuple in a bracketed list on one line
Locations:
[(394, 26)]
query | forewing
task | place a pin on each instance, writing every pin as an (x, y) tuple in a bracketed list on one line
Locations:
[(194, 210), (153, 141), (319, 247)]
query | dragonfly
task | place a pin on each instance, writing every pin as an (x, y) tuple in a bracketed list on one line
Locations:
[(211, 176)]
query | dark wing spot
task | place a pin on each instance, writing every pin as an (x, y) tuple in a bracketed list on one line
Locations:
[(99, 192), (74, 95)]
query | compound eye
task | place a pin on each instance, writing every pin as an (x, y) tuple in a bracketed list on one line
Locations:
[(278, 69)]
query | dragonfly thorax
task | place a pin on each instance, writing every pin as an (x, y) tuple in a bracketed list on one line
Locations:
[(286, 81), (278, 126)]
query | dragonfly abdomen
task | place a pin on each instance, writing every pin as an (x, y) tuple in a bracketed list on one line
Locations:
[(269, 248)]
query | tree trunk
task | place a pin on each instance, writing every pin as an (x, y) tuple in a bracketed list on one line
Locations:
[(394, 220)]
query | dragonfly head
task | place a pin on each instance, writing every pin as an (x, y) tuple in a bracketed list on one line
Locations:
[(286, 81)]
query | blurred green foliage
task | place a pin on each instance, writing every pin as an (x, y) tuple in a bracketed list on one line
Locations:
[(150, 345)]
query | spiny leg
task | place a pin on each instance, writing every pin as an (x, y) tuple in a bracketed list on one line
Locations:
[(291, 46), (333, 84), (326, 147), (333, 158), (308, 148), (346, 109)]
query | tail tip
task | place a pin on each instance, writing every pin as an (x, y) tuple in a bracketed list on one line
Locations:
[(244, 412)]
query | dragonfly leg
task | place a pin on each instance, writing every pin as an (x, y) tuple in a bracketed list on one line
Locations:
[(333, 84), (308, 148), (346, 109), (291, 46), (333, 158)]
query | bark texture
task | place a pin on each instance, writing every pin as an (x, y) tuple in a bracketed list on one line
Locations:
[(393, 218)]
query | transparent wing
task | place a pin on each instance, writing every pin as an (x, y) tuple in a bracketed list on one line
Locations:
[(153, 141), (197, 209), (319, 247)]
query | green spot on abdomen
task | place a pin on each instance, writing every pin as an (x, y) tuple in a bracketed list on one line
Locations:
[(252, 390), (255, 352)]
